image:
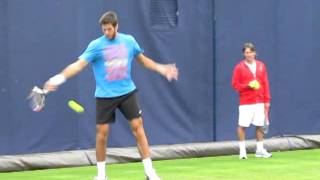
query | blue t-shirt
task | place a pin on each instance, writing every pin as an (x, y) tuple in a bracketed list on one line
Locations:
[(111, 62)]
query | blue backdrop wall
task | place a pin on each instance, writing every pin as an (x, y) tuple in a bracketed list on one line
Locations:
[(286, 34), (204, 38), (39, 38)]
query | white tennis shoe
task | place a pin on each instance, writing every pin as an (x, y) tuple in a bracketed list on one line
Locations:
[(243, 156), (152, 176), (263, 154), (97, 178)]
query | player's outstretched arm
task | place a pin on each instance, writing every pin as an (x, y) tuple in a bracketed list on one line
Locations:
[(70, 71), (169, 71)]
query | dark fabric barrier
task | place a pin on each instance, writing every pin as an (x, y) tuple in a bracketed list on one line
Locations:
[(159, 152), (40, 37)]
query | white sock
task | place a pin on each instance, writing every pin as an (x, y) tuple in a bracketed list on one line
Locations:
[(242, 146), (260, 145), (101, 169), (147, 163)]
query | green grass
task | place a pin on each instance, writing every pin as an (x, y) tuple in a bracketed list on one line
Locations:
[(304, 164)]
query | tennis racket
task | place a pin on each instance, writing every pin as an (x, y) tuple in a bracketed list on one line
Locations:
[(266, 124), (37, 98)]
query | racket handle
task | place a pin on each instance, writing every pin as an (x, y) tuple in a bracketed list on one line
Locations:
[(45, 91), (40, 91)]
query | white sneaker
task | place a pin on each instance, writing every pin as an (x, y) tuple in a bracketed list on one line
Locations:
[(152, 176), (96, 178), (243, 155), (263, 154)]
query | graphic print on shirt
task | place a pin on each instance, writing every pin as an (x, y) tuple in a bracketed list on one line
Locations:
[(116, 62)]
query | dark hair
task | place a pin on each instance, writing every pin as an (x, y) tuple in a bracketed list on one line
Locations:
[(250, 46), (109, 17)]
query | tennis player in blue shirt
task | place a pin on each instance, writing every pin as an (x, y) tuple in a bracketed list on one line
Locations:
[(111, 57)]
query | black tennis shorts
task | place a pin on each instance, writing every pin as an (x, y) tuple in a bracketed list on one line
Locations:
[(127, 104)]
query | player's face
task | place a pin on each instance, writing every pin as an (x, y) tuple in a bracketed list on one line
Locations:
[(109, 31), (249, 55)]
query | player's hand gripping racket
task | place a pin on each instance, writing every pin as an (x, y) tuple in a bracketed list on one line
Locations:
[(266, 124), (37, 99)]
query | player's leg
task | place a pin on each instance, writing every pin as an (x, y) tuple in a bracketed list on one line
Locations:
[(242, 133), (131, 110), (245, 119), (105, 109), (261, 152), (143, 146), (102, 131), (242, 144), (259, 138), (141, 138), (258, 121)]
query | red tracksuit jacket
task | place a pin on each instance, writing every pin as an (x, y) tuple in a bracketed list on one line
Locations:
[(241, 78)]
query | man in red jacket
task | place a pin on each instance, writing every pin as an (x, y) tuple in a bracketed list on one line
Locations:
[(250, 80)]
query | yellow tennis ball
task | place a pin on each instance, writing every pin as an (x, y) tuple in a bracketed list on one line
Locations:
[(256, 85), (252, 84), (75, 106)]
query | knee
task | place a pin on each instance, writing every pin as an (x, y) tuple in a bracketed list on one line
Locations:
[(136, 125), (259, 129), (101, 136), (241, 129), (101, 133)]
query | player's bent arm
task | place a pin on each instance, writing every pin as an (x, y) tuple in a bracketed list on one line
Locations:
[(169, 71), (148, 63), (70, 71), (74, 68), (236, 83)]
